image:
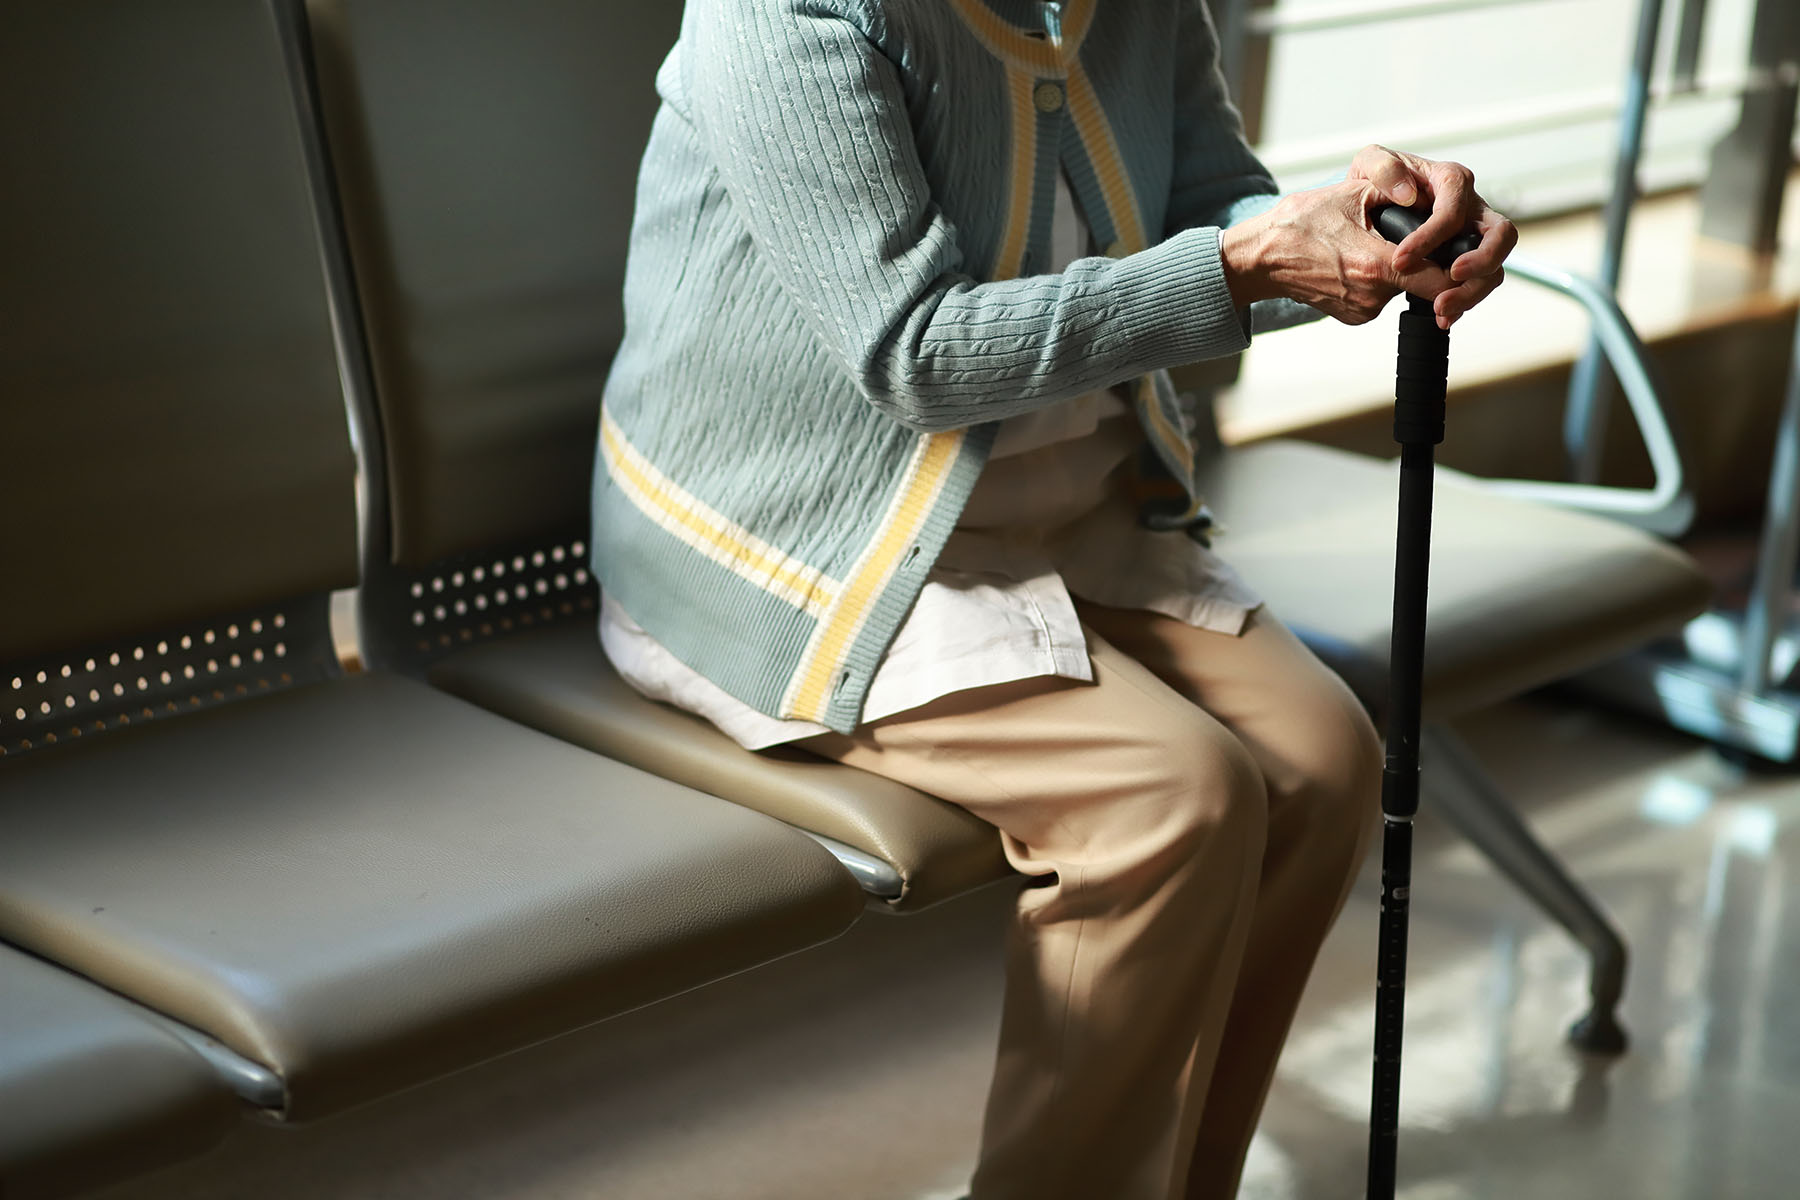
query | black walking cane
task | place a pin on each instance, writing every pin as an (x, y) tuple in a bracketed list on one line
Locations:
[(1420, 374)]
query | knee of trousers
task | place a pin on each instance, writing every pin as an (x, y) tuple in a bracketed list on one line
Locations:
[(1214, 798), (1177, 808), (1330, 784)]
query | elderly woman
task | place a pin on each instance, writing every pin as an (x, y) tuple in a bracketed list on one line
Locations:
[(891, 469)]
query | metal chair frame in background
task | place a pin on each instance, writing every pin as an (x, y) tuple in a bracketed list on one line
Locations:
[(1732, 678)]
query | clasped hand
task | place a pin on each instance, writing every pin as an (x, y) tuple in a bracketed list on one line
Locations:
[(1319, 247)]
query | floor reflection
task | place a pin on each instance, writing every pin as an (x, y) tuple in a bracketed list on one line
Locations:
[(1692, 857)]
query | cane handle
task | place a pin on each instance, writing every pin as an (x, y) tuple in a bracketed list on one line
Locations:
[(1395, 223)]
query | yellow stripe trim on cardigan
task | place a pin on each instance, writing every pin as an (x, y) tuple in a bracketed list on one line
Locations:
[(700, 526), (1016, 47), (1164, 431), (1109, 165), (1102, 150), (1024, 174), (810, 693)]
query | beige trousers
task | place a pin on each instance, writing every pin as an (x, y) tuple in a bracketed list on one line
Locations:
[(1191, 822)]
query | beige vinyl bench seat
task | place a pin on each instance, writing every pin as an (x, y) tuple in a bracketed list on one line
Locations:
[(1521, 594), (557, 679), (1513, 606), (90, 1091), (364, 883)]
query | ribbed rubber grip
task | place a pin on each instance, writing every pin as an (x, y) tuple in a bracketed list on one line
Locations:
[(1421, 372)]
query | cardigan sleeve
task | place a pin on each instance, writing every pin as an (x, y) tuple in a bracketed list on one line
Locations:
[(806, 122)]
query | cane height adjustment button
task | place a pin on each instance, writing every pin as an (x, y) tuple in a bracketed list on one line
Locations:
[(1048, 97)]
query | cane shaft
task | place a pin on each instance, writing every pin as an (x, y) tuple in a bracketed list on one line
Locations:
[(1420, 377), (1390, 1000)]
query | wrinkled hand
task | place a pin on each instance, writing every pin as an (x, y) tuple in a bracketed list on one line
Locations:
[(1318, 246), (1402, 179)]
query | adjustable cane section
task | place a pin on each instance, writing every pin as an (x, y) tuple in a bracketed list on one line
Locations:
[(1421, 373)]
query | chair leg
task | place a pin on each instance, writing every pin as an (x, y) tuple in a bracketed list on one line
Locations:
[(1474, 804)]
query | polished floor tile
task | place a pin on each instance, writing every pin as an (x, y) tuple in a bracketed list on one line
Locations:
[(1694, 859), (855, 1071)]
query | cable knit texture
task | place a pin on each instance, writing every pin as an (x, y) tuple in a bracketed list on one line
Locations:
[(833, 294)]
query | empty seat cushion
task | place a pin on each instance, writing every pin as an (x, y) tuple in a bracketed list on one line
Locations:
[(1521, 594), (557, 679), (365, 883), (90, 1091)]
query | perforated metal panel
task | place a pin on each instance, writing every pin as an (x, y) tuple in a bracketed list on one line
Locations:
[(412, 617), (59, 699)]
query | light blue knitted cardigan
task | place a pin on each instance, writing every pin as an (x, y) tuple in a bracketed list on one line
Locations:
[(833, 294)]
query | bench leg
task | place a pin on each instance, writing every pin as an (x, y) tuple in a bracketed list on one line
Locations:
[(1473, 803)]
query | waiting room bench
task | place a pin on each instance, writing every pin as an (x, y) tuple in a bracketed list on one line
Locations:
[(341, 886), (483, 167), (348, 885)]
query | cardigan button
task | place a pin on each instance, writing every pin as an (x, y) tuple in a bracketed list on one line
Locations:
[(1048, 97)]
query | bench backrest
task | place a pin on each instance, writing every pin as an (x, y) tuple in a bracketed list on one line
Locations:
[(176, 462), (485, 158)]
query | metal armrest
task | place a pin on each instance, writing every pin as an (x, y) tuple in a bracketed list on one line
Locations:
[(1666, 508)]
